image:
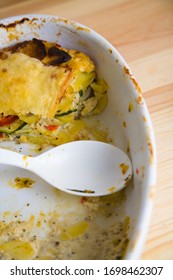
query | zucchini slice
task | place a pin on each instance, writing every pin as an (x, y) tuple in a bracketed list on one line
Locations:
[(10, 128)]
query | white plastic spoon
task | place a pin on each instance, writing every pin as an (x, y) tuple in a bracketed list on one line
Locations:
[(85, 168)]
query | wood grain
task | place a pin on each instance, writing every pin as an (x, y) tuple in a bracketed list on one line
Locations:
[(142, 31)]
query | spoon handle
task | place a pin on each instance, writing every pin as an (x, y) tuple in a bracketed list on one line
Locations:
[(15, 159)]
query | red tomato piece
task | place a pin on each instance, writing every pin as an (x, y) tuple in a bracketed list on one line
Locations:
[(52, 127), (8, 120)]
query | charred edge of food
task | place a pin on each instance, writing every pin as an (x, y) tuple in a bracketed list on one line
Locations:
[(36, 48), (61, 56), (54, 51), (13, 24), (80, 191)]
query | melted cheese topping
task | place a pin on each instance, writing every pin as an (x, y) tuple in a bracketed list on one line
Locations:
[(27, 86)]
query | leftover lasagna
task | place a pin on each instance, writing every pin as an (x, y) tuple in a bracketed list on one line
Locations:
[(46, 92)]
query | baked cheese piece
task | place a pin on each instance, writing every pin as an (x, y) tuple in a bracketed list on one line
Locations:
[(28, 86), (41, 82)]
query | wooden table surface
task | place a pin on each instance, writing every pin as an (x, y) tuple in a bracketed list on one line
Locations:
[(142, 31)]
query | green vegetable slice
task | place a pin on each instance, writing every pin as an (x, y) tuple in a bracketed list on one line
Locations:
[(10, 128), (65, 113)]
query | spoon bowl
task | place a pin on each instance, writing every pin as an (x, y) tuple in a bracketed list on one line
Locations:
[(87, 168)]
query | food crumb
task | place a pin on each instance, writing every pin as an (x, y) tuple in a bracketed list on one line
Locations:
[(21, 183)]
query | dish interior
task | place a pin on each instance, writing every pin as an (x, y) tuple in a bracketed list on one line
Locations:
[(72, 227)]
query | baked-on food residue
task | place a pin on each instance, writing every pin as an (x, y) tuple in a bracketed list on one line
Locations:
[(48, 96), (70, 237), (20, 183)]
